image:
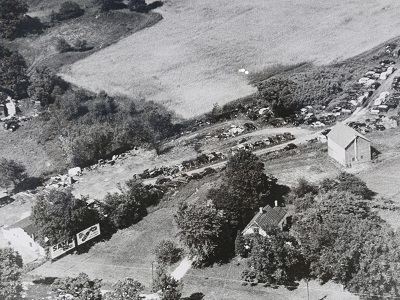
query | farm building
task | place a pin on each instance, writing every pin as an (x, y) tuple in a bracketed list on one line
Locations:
[(21, 237), (347, 146), (268, 217)]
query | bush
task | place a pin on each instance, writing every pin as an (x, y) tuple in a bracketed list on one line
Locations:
[(13, 73), (12, 14), (167, 253), (80, 287), (63, 46), (123, 209), (68, 10), (126, 289), (11, 173), (166, 286), (81, 45)]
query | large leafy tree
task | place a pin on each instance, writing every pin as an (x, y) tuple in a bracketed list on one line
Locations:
[(80, 287), (332, 234), (58, 215), (275, 259), (378, 275), (280, 93), (204, 232), (126, 289), (11, 172), (245, 188), (10, 274), (13, 72), (12, 14)]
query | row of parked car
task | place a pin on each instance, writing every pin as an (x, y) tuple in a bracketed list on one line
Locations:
[(264, 143)]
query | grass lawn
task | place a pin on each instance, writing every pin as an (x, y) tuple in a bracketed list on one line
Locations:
[(223, 283)]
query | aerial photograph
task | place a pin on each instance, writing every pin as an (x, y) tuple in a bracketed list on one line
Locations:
[(199, 149)]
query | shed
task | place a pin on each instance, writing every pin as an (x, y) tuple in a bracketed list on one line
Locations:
[(347, 146)]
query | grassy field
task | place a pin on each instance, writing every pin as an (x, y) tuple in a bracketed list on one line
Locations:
[(98, 29), (190, 60)]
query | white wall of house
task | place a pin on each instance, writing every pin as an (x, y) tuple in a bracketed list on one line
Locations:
[(254, 229), (20, 241), (336, 152)]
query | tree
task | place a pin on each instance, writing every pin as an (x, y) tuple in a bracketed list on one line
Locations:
[(46, 86), (68, 10), (126, 289), (275, 259), (378, 275), (240, 249), (80, 287), (280, 93), (123, 209), (167, 253), (332, 233), (13, 72), (11, 172), (168, 287), (10, 274), (204, 232), (58, 215), (245, 188), (12, 14)]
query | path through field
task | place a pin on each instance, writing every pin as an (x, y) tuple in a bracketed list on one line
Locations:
[(190, 60)]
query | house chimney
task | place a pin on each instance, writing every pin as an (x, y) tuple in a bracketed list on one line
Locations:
[(276, 203), (261, 210)]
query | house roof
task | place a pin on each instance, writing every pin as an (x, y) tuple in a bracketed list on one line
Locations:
[(343, 135), (26, 225), (270, 217)]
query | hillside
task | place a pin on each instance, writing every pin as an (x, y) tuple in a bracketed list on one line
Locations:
[(190, 60)]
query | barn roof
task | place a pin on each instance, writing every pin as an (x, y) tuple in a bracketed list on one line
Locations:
[(270, 217), (343, 135)]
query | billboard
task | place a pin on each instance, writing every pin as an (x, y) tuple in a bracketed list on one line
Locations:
[(61, 248), (88, 234)]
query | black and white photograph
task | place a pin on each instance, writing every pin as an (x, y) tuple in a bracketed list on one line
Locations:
[(199, 149)]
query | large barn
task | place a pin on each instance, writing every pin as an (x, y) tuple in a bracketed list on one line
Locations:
[(347, 146)]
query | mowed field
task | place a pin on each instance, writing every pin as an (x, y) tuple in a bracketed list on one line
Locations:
[(191, 58)]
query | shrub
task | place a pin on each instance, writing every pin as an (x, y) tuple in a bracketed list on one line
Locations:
[(126, 289), (68, 10), (10, 274), (12, 14), (63, 46), (80, 287), (81, 45), (123, 209), (167, 252), (11, 172), (166, 286)]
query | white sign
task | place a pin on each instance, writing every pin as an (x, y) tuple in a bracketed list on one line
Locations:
[(88, 234), (60, 248)]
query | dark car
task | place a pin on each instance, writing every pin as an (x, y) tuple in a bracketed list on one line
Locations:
[(380, 127), (290, 146)]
